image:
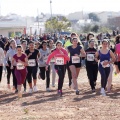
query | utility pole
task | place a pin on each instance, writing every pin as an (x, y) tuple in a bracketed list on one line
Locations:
[(51, 8)]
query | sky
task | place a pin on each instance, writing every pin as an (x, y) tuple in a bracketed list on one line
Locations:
[(30, 7)]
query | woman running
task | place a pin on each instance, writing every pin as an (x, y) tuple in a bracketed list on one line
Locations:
[(20, 71), (52, 62), (44, 52), (8, 59), (33, 55), (61, 57), (75, 50), (106, 57), (91, 64), (2, 56), (24, 48)]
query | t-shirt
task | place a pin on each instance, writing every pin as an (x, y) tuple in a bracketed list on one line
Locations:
[(33, 58), (43, 57), (74, 51), (19, 66), (90, 56)]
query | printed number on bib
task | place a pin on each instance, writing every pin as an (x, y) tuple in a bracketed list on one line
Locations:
[(31, 63), (59, 61), (75, 59), (90, 57), (20, 66)]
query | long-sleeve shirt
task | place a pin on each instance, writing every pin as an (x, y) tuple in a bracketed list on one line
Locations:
[(58, 56), (2, 56), (9, 55)]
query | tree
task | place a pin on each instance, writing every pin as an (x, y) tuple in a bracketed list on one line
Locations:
[(94, 17), (86, 28), (57, 24), (95, 28)]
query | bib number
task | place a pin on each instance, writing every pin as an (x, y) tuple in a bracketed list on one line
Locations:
[(59, 61), (90, 57), (31, 63), (75, 59), (20, 66)]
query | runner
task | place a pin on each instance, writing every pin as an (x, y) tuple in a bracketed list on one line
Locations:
[(44, 52), (20, 70), (105, 54), (32, 68), (75, 62), (52, 63), (61, 57), (2, 56), (24, 48), (8, 59), (91, 64)]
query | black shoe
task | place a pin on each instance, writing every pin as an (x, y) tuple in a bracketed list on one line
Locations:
[(77, 92), (60, 93), (16, 91), (93, 90)]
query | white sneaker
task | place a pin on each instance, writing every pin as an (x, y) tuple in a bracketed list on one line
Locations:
[(30, 91), (53, 85), (103, 92), (35, 89), (48, 89)]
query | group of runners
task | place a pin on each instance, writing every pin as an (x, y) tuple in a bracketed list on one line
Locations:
[(27, 59)]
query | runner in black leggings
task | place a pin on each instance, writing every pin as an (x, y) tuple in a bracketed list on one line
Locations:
[(61, 57), (33, 55)]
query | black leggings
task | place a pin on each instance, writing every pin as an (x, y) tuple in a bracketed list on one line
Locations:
[(32, 72), (14, 78), (69, 74), (92, 72), (104, 75), (8, 74), (60, 69), (42, 75), (1, 69)]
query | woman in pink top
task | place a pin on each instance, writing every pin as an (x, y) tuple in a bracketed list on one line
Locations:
[(61, 58)]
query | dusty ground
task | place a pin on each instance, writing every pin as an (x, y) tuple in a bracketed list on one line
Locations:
[(49, 106)]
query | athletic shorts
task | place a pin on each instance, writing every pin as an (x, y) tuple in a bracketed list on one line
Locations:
[(77, 65)]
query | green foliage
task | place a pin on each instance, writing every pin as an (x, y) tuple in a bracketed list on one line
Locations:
[(94, 17), (86, 28), (57, 24), (95, 28), (104, 29)]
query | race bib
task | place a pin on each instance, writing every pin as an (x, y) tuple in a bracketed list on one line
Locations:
[(31, 62), (52, 60), (75, 59), (45, 59), (20, 66), (59, 61), (104, 66), (90, 57)]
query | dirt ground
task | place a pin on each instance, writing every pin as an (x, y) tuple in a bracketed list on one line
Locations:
[(49, 106)]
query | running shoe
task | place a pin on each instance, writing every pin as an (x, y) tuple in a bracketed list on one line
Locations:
[(60, 93), (103, 92), (16, 91), (35, 89), (19, 94), (48, 90), (30, 91), (77, 92)]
